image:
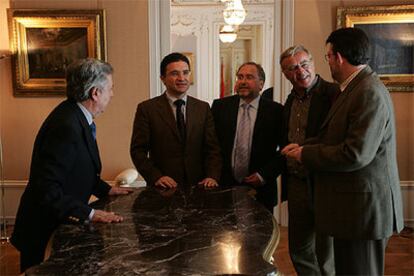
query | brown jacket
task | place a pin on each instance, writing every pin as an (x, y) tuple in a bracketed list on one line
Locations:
[(157, 149)]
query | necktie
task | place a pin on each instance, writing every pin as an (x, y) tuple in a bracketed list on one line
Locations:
[(180, 118), (93, 130), (242, 150)]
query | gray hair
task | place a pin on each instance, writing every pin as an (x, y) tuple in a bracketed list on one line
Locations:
[(291, 51), (85, 74)]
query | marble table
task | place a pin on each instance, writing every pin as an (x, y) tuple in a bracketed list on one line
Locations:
[(199, 232)]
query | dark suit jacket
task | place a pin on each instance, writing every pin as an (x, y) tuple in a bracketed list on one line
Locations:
[(357, 188), (157, 149), (267, 138), (64, 173), (324, 94)]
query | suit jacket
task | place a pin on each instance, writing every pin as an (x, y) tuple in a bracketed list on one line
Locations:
[(158, 150), (324, 94), (65, 172), (267, 138), (357, 188)]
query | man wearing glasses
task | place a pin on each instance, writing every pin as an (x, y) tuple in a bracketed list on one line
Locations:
[(250, 129), (173, 142), (357, 188), (305, 110)]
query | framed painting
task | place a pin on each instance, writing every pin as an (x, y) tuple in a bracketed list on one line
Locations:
[(391, 32), (190, 57), (44, 42)]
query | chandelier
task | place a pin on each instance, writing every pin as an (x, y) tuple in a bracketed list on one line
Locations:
[(227, 34), (234, 13)]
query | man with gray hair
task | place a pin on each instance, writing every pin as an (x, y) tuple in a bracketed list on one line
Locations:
[(305, 110), (65, 169)]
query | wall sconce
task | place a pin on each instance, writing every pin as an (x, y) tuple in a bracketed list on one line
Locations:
[(227, 34), (234, 13)]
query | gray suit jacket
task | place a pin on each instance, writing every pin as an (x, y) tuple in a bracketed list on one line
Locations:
[(157, 148), (357, 188)]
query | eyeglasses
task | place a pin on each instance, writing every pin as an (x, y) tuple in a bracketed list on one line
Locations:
[(248, 77), (328, 56), (304, 65), (176, 74)]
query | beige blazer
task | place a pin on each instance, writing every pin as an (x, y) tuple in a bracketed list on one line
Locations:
[(357, 188)]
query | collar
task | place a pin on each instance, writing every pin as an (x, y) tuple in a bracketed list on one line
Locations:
[(344, 84), (171, 99), (86, 112), (254, 103)]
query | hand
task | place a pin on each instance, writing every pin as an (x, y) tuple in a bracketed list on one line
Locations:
[(288, 148), (208, 182), (166, 182), (295, 154), (120, 191), (106, 217), (253, 180)]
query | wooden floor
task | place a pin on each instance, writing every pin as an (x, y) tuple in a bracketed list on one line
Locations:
[(399, 256)]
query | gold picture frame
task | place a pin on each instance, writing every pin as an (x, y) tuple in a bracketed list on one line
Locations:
[(190, 57), (391, 33), (44, 42)]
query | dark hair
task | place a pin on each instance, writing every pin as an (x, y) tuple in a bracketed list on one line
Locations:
[(84, 74), (351, 43), (173, 57), (259, 68)]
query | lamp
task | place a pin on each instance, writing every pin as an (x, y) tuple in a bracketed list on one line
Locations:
[(227, 34), (234, 13)]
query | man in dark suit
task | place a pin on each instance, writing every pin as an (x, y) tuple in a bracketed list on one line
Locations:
[(357, 189), (305, 109), (173, 140), (250, 130), (65, 168)]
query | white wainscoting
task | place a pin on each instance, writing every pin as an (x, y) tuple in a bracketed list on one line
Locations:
[(13, 190)]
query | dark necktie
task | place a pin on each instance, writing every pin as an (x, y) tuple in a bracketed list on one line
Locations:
[(180, 118), (93, 130)]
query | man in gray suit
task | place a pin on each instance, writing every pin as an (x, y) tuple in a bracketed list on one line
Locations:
[(357, 189)]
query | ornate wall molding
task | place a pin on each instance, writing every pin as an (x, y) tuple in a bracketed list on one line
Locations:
[(216, 2), (204, 22)]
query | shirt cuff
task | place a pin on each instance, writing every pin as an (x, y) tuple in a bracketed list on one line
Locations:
[(91, 214), (261, 178)]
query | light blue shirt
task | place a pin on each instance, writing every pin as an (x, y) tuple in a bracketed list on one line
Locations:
[(254, 106)]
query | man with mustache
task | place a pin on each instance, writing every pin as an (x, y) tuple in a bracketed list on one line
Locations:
[(250, 129), (304, 112), (173, 141)]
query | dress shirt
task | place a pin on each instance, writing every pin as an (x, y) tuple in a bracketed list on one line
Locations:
[(298, 120), (172, 99), (254, 106), (345, 83)]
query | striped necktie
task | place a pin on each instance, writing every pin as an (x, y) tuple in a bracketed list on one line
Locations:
[(242, 150)]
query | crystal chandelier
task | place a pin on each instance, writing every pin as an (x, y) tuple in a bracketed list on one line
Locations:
[(227, 34), (234, 13)]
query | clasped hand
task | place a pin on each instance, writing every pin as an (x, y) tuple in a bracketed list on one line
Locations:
[(293, 151)]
